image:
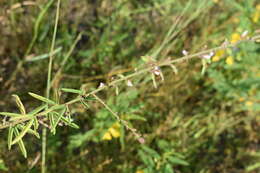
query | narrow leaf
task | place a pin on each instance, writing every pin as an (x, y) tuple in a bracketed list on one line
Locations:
[(177, 161), (9, 114), (42, 98), (84, 104), (69, 90), (38, 109), (20, 143), (44, 56), (27, 116), (53, 129), (10, 137), (66, 121), (35, 123), (30, 131), (19, 103), (23, 132)]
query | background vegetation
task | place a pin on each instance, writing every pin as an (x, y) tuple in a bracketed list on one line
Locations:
[(191, 123)]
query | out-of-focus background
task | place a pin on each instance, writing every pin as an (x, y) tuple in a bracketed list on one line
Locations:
[(191, 123)]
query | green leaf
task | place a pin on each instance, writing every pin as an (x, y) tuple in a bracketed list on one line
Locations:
[(84, 104), (2, 165), (38, 109), (9, 114), (66, 121), (79, 139), (19, 103), (135, 117), (23, 132), (35, 123), (42, 98), (10, 137), (168, 168), (53, 129), (150, 151), (200, 132), (177, 161), (20, 143), (27, 116), (30, 131), (253, 167), (69, 90), (69, 123), (44, 56)]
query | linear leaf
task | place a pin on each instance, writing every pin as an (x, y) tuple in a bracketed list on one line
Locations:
[(67, 122), (53, 108), (53, 129), (38, 109), (20, 143), (19, 104), (42, 98), (44, 56), (23, 132), (84, 104), (177, 161), (9, 114), (10, 137), (35, 123), (30, 131), (27, 116), (69, 90)]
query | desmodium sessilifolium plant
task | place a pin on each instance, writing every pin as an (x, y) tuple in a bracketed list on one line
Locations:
[(23, 123), (53, 113)]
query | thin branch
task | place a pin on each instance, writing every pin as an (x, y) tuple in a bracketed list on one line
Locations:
[(123, 122)]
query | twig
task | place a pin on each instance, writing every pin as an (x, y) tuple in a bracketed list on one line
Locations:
[(123, 122)]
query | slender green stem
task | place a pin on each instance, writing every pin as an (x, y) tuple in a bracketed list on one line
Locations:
[(44, 132)]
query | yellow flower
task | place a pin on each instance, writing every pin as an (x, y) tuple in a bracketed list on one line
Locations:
[(216, 1), (241, 99), (230, 60), (258, 7), (256, 16), (236, 20), (114, 132), (218, 55), (107, 136), (139, 171), (249, 103), (235, 37), (116, 125)]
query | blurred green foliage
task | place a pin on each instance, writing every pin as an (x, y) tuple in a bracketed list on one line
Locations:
[(191, 123)]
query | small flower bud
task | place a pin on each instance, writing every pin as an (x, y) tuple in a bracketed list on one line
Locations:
[(185, 53)]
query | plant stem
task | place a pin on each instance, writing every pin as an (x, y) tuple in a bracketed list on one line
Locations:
[(44, 132)]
